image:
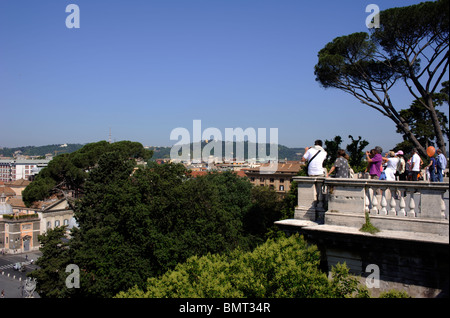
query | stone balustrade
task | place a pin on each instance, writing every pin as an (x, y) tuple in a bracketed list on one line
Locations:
[(391, 205)]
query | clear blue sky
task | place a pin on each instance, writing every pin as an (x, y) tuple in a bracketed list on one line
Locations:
[(145, 67)]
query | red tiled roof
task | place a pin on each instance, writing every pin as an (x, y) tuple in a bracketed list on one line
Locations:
[(20, 183), (198, 173), (16, 202), (290, 166), (195, 174), (7, 191)]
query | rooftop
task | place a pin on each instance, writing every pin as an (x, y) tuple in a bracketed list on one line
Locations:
[(290, 167)]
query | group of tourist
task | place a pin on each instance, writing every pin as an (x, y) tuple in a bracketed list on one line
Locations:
[(393, 166)]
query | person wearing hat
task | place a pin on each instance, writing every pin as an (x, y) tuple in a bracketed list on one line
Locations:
[(391, 166), (401, 166)]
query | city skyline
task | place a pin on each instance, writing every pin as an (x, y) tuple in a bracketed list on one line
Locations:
[(146, 68)]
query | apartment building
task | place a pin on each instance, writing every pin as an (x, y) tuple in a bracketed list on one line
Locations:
[(16, 169), (280, 180)]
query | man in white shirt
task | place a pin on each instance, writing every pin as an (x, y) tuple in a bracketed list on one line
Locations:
[(315, 156), (415, 164)]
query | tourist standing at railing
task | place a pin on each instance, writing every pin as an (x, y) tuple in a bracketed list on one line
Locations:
[(441, 164), (375, 160), (415, 165), (340, 165), (432, 169), (401, 166), (391, 166), (315, 156)]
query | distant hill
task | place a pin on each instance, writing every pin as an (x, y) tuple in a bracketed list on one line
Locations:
[(158, 152), (40, 150), (283, 151)]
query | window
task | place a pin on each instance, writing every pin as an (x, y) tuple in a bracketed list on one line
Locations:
[(66, 222), (272, 180), (49, 225), (281, 180), (56, 223), (281, 187)]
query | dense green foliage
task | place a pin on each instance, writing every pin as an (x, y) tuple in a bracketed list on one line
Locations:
[(68, 172), (356, 152), (55, 257), (281, 268), (136, 223), (421, 123)]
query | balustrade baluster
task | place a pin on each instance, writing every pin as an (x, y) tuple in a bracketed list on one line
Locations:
[(367, 200), (319, 190), (393, 204), (374, 209), (383, 210), (443, 208), (412, 205), (402, 204)]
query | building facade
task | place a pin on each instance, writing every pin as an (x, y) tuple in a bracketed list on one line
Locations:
[(55, 214), (16, 169), (280, 180), (20, 226), (18, 231)]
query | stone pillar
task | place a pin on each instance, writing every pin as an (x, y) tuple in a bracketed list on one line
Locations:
[(431, 204), (308, 197)]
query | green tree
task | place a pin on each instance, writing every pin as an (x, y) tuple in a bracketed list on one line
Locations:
[(290, 201), (51, 275), (281, 268), (65, 174), (332, 147), (139, 223), (266, 208), (411, 46), (421, 123), (356, 153)]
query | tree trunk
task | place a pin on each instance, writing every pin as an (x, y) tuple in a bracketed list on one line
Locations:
[(405, 128), (436, 125)]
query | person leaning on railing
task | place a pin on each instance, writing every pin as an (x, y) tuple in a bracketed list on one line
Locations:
[(340, 165)]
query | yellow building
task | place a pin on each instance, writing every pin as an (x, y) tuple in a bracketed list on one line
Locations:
[(280, 180)]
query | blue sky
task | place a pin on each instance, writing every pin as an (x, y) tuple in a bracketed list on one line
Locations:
[(145, 67)]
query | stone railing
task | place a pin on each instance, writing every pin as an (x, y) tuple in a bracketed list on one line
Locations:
[(391, 205)]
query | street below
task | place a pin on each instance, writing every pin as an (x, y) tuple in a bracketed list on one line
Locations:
[(12, 281)]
